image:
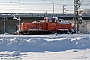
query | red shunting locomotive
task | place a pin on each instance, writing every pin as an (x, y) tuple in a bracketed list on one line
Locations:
[(46, 26)]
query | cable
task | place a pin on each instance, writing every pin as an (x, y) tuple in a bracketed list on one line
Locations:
[(43, 5)]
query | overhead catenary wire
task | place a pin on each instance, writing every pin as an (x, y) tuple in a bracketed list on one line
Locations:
[(46, 5)]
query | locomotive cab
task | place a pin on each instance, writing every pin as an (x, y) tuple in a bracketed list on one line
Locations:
[(60, 20), (53, 19)]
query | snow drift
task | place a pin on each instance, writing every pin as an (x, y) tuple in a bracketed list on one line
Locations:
[(40, 43)]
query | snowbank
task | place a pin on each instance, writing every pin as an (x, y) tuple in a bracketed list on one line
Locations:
[(41, 43)]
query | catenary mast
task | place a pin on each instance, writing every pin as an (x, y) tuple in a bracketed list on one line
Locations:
[(76, 15)]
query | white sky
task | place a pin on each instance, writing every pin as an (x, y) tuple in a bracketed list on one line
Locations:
[(38, 6)]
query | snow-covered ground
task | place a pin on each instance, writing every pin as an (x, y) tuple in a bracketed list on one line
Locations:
[(45, 47)]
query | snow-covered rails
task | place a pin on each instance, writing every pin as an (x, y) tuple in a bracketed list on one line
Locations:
[(46, 26)]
